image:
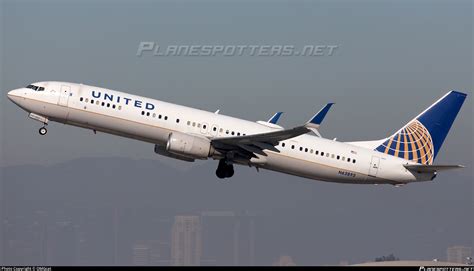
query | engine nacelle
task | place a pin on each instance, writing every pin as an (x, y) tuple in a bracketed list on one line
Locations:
[(188, 145), (161, 150)]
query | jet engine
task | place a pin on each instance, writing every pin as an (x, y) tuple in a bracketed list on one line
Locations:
[(194, 147), (161, 150)]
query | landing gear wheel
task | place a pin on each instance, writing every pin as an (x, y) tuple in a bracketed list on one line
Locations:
[(43, 131), (221, 174), (224, 170), (229, 171)]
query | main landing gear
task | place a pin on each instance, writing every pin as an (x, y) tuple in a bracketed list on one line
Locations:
[(224, 169), (43, 130)]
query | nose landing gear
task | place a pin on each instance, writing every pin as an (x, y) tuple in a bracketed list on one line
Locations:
[(43, 131), (224, 169)]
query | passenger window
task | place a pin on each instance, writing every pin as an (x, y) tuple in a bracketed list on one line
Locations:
[(322, 153), (166, 117), (238, 134), (159, 116), (120, 107), (87, 100), (292, 147), (92, 101), (199, 125), (316, 152), (108, 105), (301, 148), (143, 113), (221, 130), (103, 103), (327, 154), (227, 131), (189, 122), (97, 103), (305, 149), (113, 106), (154, 115), (348, 159), (214, 129), (147, 114), (338, 157), (232, 133), (81, 99), (204, 126), (194, 124), (354, 161), (177, 120), (332, 155), (283, 144)]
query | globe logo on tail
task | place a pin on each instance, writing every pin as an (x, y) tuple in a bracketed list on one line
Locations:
[(413, 142)]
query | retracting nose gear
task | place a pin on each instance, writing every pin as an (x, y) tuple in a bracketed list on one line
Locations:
[(43, 131), (44, 120)]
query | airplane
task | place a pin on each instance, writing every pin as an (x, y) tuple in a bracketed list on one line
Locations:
[(190, 134)]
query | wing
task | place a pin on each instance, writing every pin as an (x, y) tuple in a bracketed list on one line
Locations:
[(249, 145), (431, 168)]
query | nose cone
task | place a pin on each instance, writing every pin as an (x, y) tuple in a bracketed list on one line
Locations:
[(15, 95), (10, 94)]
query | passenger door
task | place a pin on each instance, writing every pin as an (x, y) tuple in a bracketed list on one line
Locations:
[(64, 94), (374, 166)]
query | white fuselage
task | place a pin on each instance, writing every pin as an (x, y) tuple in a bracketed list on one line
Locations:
[(152, 121)]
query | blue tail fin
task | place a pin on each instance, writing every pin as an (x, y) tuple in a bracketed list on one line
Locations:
[(274, 119), (421, 139)]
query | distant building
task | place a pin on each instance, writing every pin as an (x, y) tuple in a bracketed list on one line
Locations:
[(458, 254), (159, 253), (140, 254), (227, 238), (186, 241), (284, 261), (150, 253), (408, 263)]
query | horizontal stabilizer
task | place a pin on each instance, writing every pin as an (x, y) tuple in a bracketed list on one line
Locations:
[(431, 168)]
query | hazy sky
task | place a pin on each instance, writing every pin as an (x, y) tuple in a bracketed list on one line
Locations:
[(394, 59)]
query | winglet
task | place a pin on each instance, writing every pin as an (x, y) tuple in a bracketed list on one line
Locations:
[(274, 119), (317, 119)]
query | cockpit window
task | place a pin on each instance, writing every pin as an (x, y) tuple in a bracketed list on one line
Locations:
[(35, 88), (32, 87)]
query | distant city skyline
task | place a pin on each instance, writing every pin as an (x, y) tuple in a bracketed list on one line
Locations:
[(459, 254), (45, 232)]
